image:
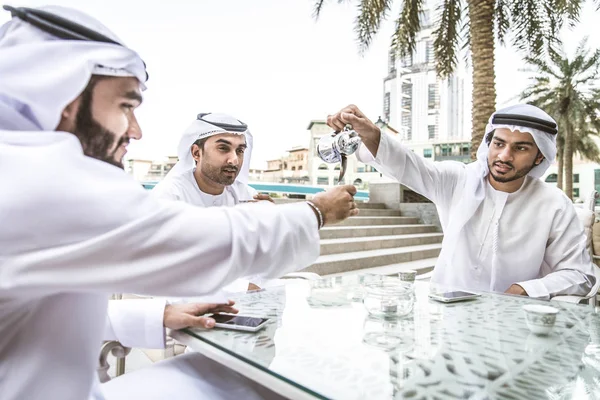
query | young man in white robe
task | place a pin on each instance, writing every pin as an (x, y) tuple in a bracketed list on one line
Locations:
[(214, 156), (504, 229), (76, 228)]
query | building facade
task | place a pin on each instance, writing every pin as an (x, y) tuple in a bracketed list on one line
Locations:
[(147, 170), (290, 168), (426, 110)]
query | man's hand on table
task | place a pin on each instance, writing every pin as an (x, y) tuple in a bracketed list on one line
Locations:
[(516, 289), (179, 316)]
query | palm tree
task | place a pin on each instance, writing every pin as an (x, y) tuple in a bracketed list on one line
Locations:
[(564, 87), (470, 24)]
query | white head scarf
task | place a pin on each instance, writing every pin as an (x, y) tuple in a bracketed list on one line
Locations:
[(203, 128), (41, 74), (477, 172)]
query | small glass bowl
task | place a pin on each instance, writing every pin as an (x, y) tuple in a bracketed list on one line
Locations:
[(389, 334), (388, 298)]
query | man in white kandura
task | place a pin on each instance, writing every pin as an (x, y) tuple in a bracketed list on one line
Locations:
[(75, 227), (213, 169), (504, 229)]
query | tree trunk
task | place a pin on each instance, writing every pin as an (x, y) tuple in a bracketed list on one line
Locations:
[(568, 160), (561, 167), (481, 15)]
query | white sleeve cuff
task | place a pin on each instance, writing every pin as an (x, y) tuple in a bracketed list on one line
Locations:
[(138, 323), (535, 289)]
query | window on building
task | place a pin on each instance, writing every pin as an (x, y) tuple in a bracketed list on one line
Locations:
[(300, 168), (386, 106), (357, 182), (432, 96), (337, 167), (293, 168), (575, 178), (336, 181), (431, 131), (284, 165), (407, 61), (427, 153), (323, 166), (392, 62), (576, 192), (322, 180), (429, 51), (552, 178), (360, 169)]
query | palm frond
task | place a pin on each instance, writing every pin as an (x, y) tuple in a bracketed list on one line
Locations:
[(408, 25), (502, 12), (447, 35), (370, 15), (528, 26), (465, 33), (569, 8), (317, 8)]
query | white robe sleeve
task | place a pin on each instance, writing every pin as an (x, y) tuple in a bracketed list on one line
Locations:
[(136, 322), (434, 180), (568, 268), (166, 191), (169, 249)]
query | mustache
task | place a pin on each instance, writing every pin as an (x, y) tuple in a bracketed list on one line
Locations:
[(230, 168), (124, 140), (503, 163)]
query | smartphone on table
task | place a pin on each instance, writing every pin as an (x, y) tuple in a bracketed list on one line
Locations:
[(239, 322), (451, 297)]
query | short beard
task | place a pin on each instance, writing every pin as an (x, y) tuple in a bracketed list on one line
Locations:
[(215, 174), (95, 139), (518, 175)]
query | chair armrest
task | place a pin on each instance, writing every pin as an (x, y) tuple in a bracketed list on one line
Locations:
[(117, 350), (569, 299), (311, 276)]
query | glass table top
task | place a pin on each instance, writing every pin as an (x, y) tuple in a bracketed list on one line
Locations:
[(320, 339)]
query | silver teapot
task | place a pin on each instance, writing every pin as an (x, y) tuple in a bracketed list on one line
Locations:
[(337, 146)]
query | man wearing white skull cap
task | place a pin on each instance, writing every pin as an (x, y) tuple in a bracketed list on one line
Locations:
[(504, 229), (76, 228)]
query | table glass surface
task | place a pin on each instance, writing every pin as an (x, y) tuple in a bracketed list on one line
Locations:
[(478, 349)]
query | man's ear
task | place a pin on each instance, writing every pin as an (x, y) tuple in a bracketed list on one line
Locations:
[(539, 158), (68, 116), (196, 151)]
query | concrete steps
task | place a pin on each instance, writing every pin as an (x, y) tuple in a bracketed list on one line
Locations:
[(337, 231), (362, 221), (422, 267), (378, 240), (364, 243), (357, 260), (374, 212)]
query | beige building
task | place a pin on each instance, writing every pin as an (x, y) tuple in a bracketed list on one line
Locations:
[(146, 170), (291, 168), (256, 175)]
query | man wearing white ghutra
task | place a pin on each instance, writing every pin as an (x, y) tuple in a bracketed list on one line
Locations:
[(75, 227), (504, 229)]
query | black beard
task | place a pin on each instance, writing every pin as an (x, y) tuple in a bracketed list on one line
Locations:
[(216, 174), (518, 175), (95, 139)]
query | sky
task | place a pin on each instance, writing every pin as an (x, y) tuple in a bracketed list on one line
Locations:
[(269, 63)]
